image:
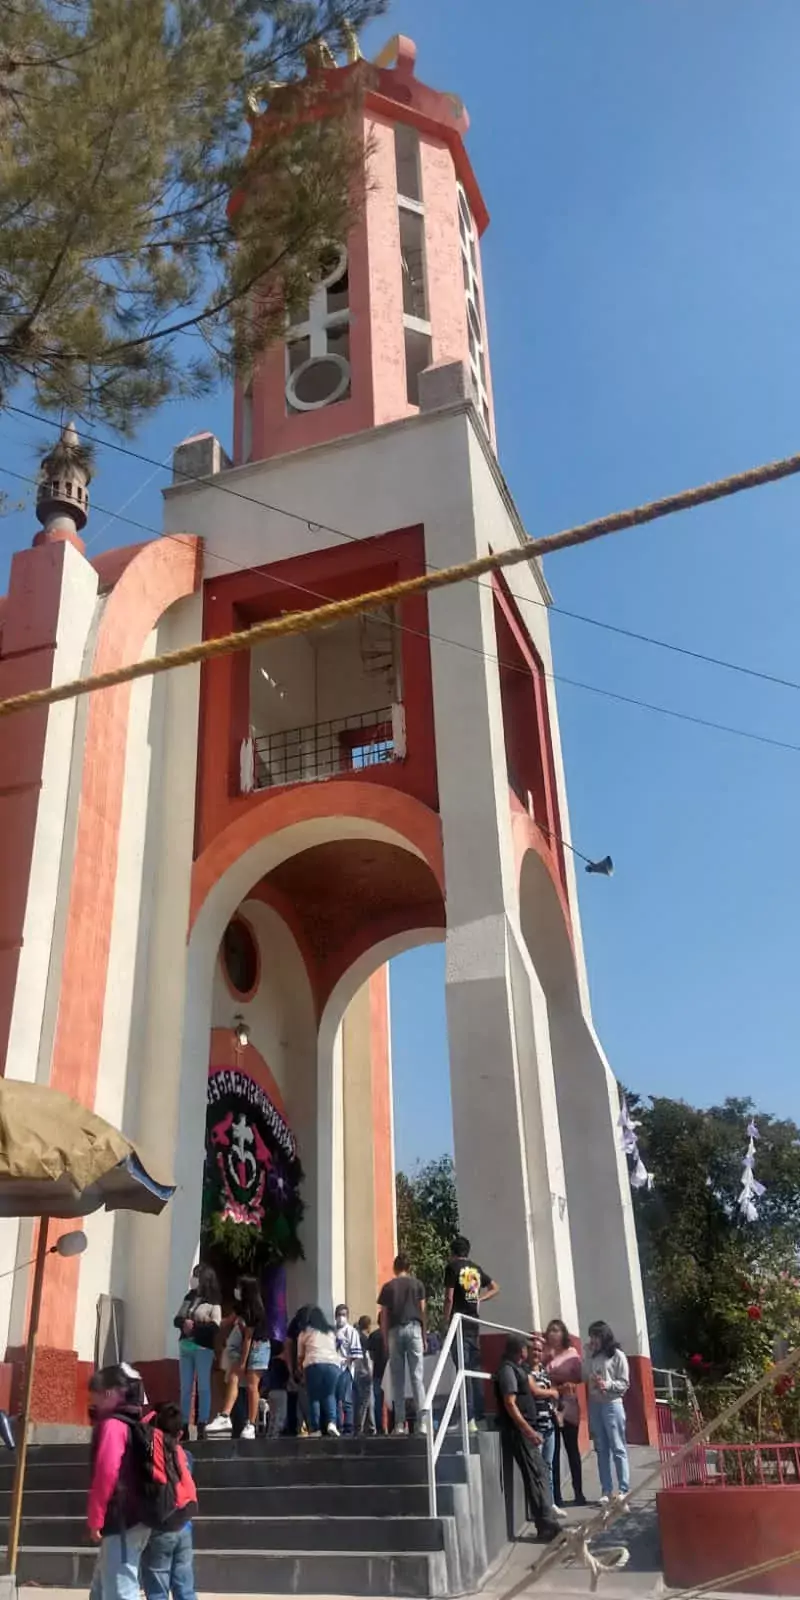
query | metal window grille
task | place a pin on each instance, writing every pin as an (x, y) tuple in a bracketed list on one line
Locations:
[(324, 749)]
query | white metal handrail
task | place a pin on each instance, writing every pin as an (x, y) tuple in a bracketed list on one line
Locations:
[(435, 1440)]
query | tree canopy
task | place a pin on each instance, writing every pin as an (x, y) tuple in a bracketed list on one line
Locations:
[(427, 1223), (126, 277), (719, 1290)]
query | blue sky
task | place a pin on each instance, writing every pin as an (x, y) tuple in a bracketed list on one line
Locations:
[(640, 163)]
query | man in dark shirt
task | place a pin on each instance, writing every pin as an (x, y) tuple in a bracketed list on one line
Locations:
[(518, 1417), (466, 1286), (402, 1318)]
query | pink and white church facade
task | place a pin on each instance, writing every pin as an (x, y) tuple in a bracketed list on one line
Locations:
[(205, 874)]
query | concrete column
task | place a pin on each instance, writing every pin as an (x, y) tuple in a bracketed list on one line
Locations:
[(509, 1227), (543, 1139), (369, 1212), (47, 620), (602, 1227), (330, 1171)]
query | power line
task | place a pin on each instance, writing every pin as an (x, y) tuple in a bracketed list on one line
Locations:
[(552, 677), (314, 526)]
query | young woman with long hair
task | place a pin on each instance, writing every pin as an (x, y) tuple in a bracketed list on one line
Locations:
[(247, 1354), (606, 1372), (564, 1369)]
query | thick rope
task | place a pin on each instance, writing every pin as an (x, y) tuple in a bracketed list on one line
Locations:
[(335, 611), (577, 1540), (728, 1578)]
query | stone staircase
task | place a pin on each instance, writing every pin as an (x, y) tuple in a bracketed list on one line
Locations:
[(285, 1516)]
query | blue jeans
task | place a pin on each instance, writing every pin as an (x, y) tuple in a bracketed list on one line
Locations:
[(476, 1404), (196, 1363), (607, 1425), (322, 1378), (405, 1344), (117, 1573), (346, 1400), (548, 1449), (167, 1565)]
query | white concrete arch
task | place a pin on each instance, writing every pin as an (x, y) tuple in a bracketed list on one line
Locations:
[(330, 1119)]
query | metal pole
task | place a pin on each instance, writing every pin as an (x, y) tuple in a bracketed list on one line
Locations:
[(463, 1381), (15, 1517)]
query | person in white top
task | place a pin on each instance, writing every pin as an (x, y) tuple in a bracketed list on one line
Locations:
[(606, 1372), (318, 1360)]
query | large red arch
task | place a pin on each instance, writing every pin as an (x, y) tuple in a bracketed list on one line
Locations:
[(373, 803)]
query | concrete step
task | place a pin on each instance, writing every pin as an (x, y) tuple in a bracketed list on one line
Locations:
[(259, 1449), (238, 1534), (389, 1573), (253, 1472), (273, 1500)]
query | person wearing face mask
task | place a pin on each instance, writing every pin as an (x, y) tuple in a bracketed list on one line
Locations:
[(247, 1355), (348, 1349), (197, 1321)]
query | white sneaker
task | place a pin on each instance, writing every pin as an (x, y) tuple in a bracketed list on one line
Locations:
[(316, 1435), (472, 1426), (333, 1431), (603, 1500), (400, 1431), (220, 1425), (558, 1511), (248, 1431)]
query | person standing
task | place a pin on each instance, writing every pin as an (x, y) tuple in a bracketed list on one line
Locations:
[(247, 1355), (364, 1376), (168, 1559), (517, 1417), (466, 1288), (318, 1361), (348, 1346), (115, 1505), (545, 1397), (376, 1347), (198, 1322), (607, 1374), (565, 1373), (402, 1319)]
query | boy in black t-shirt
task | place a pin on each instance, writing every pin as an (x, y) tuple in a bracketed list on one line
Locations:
[(466, 1286)]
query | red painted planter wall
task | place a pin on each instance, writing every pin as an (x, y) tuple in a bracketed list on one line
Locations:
[(707, 1533)]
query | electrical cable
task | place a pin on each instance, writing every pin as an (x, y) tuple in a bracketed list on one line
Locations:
[(643, 705), (315, 526)]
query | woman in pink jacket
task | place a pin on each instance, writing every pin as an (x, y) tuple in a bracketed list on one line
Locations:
[(565, 1371), (114, 1510)]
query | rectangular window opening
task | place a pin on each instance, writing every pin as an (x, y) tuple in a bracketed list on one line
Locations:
[(419, 354), (412, 256), (406, 160)]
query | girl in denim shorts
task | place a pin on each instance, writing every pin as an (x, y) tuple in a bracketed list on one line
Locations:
[(246, 1358)]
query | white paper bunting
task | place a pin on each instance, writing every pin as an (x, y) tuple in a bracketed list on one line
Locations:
[(640, 1177), (751, 1189)]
